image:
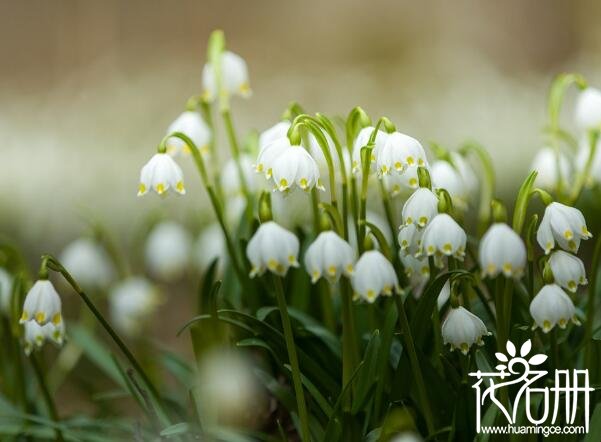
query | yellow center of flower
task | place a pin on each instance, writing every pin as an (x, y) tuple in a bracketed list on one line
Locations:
[(244, 88), (562, 322), (412, 182), (546, 326), (40, 317), (491, 268), (423, 220), (283, 183), (303, 183), (398, 165), (572, 285), (56, 319), (568, 234), (160, 188), (332, 270), (180, 187), (447, 248), (464, 348), (420, 162), (507, 268), (24, 316), (371, 294), (410, 160), (349, 268), (141, 189)]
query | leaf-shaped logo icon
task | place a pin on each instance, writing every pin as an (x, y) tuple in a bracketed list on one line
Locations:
[(526, 347), (537, 359), (510, 348), (500, 367), (501, 357)]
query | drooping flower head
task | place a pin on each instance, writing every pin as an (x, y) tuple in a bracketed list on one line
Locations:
[(552, 306), (272, 248), (563, 224), (329, 256), (160, 174), (420, 207), (443, 236), (399, 152), (234, 77), (445, 176), (289, 166), (462, 329), (42, 304), (568, 270), (502, 250), (189, 123), (374, 275)]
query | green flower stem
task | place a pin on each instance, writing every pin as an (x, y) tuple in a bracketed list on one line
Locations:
[(215, 202), (296, 373), (56, 266), (350, 348), (355, 210), (507, 303), (590, 306), (235, 149), (39, 374), (500, 313), (582, 177), (409, 345), (389, 218), (315, 210), (327, 309), (488, 184)]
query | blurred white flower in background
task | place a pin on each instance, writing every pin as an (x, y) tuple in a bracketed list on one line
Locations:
[(230, 176), (228, 388), (588, 109), (461, 329), (189, 123), (42, 304), (290, 210), (408, 436), (34, 334), (160, 174), (545, 163), (88, 263), (582, 158), (6, 288), (209, 246), (234, 76), (552, 306), (131, 303), (167, 250), (410, 239), (445, 176)]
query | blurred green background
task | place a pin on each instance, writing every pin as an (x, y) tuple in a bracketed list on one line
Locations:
[(88, 88)]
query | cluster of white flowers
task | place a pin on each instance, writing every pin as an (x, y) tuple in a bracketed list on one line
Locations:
[(564, 226)]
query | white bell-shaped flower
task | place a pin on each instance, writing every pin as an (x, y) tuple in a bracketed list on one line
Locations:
[(417, 271), (546, 164), (6, 291), (278, 130), (230, 176), (209, 246), (42, 304), (395, 183), (329, 256), (289, 166), (161, 173), (35, 335), (445, 176), (167, 250), (568, 270), (552, 306), (563, 224), (131, 303), (420, 207), (361, 141), (443, 236), (502, 250), (410, 239), (272, 248), (399, 152), (461, 329), (189, 123), (444, 295), (374, 275), (588, 109), (234, 77), (88, 263)]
